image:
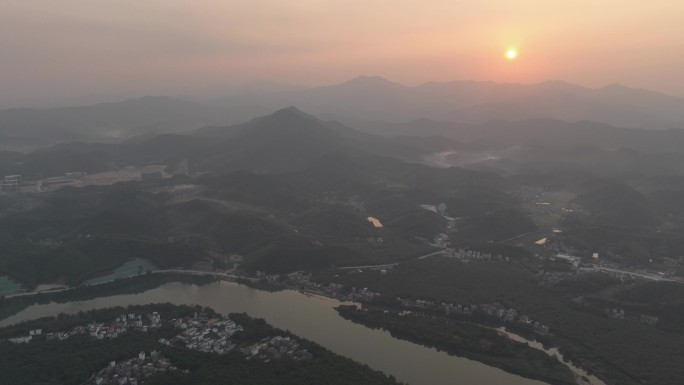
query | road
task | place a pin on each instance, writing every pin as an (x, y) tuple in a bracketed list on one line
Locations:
[(30, 293), (368, 266), (199, 272), (432, 254), (518, 236), (651, 277), (389, 265)]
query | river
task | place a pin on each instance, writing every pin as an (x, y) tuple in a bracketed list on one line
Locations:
[(586, 378), (310, 317)]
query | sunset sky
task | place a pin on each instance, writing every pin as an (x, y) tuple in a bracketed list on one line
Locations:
[(71, 47)]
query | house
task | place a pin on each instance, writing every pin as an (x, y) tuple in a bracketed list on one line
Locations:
[(12, 179), (21, 340), (648, 320)]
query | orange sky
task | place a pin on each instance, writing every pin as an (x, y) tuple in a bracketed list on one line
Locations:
[(91, 46)]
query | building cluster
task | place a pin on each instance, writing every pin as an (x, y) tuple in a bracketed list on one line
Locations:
[(56, 181), (302, 281), (10, 183), (276, 348), (333, 290), (362, 295), (441, 240), (206, 335), (132, 371), (297, 280), (100, 330), (474, 255), (27, 338), (495, 310), (621, 315), (67, 178), (615, 313), (121, 325), (648, 319), (299, 276), (15, 183), (270, 278)]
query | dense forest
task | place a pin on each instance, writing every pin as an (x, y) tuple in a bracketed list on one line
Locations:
[(289, 192), (584, 333)]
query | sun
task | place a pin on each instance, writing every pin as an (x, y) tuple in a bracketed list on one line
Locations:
[(511, 54)]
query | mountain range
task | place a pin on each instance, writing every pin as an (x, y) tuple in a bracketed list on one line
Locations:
[(367, 103), (377, 99), (24, 128)]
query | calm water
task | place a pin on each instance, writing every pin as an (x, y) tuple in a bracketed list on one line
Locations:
[(8, 285), (313, 318), (131, 268)]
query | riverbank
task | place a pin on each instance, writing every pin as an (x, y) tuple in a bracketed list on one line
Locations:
[(311, 317), (583, 377), (465, 340), (13, 305), (65, 352), (519, 364)]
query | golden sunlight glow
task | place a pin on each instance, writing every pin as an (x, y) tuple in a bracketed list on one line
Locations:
[(511, 54)]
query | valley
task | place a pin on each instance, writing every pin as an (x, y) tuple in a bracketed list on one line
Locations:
[(291, 202)]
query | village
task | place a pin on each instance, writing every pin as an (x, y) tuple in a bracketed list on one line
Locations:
[(133, 371), (275, 348), (99, 330), (214, 336), (496, 311), (205, 335), (198, 332)]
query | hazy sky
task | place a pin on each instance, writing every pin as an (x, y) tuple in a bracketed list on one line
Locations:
[(72, 47)]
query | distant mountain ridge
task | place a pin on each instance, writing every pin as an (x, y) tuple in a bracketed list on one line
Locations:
[(32, 128), (358, 103), (373, 98), (538, 132)]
